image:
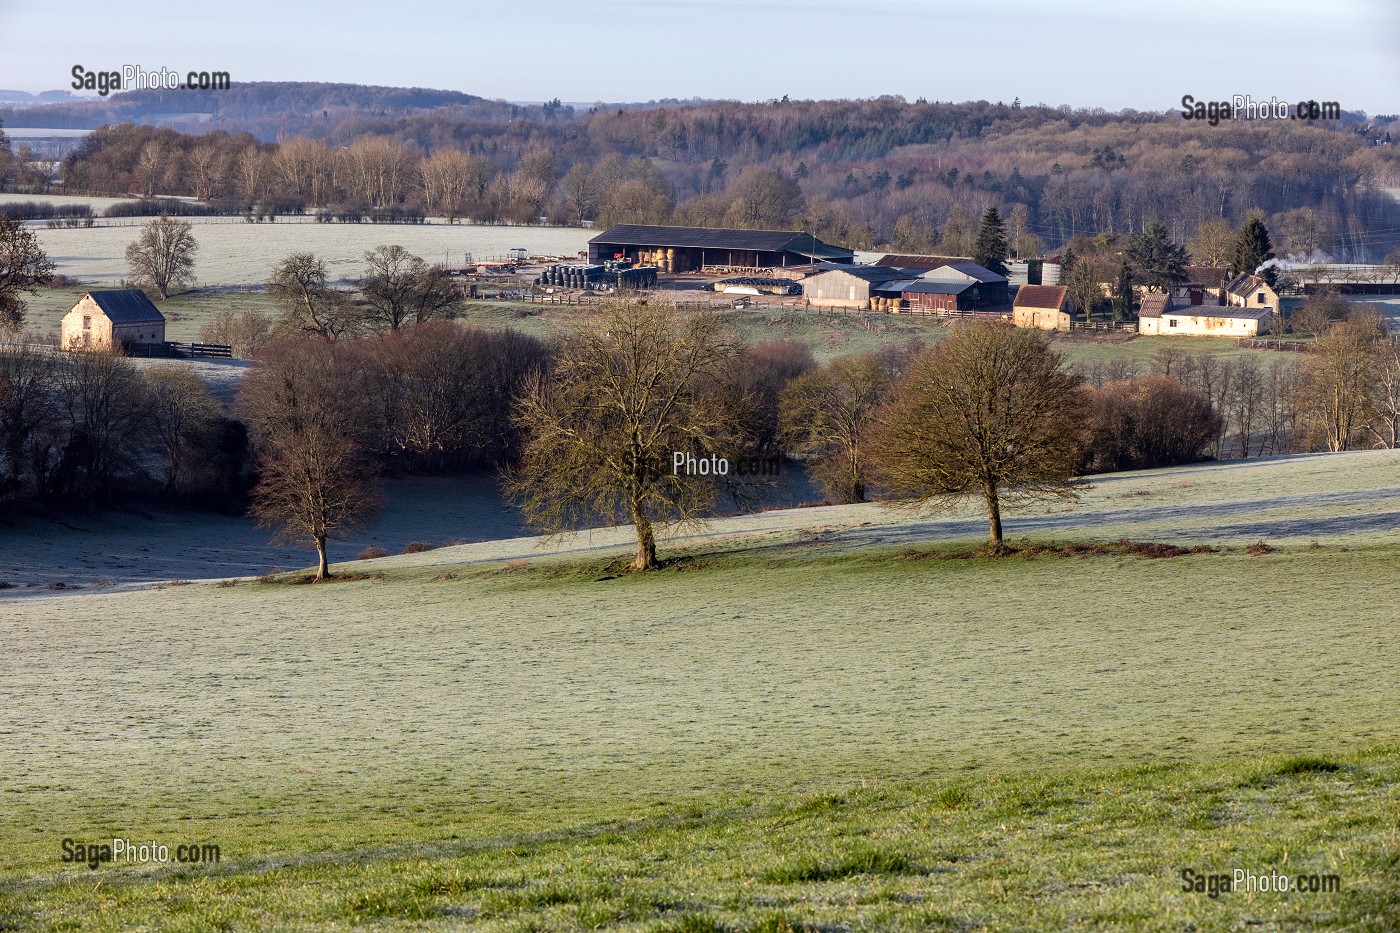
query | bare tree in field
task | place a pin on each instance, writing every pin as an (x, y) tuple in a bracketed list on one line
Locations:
[(400, 288), (309, 305), (627, 391), (1384, 423), (303, 407), (825, 415), (990, 413), (181, 407), (1337, 382), (23, 267), (162, 257)]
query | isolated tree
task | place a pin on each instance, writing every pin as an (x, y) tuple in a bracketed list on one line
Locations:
[(309, 305), (990, 412), (23, 267), (1213, 243), (181, 408), (1253, 248), (825, 416), (306, 414), (1158, 262), (162, 257), (400, 288), (990, 249), (626, 392)]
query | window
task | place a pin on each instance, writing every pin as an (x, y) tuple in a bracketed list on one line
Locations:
[(87, 322), (1261, 298), (1171, 322)]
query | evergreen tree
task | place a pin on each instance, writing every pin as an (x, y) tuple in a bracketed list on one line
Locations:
[(1253, 249), (1123, 293), (990, 250), (1159, 262)]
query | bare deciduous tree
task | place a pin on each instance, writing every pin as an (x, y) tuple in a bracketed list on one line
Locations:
[(825, 417), (23, 266), (400, 288), (305, 411), (309, 305), (162, 257), (627, 391), (244, 332), (1336, 384), (989, 412), (181, 407)]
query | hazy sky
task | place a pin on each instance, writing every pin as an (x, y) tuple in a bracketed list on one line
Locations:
[(1108, 53)]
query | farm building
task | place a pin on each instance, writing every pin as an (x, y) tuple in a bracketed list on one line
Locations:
[(1250, 291), (1210, 280), (988, 288), (1042, 306), (935, 297), (1160, 316), (922, 263), (689, 249), (112, 318), (854, 286)]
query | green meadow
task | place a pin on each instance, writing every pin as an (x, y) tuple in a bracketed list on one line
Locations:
[(840, 719)]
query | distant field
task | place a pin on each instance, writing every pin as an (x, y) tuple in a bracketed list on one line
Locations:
[(232, 252), (830, 715)]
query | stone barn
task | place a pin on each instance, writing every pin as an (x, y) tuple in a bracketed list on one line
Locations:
[(114, 318), (1042, 306)]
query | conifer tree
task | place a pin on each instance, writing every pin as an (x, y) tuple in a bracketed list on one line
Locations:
[(1253, 249), (990, 250)]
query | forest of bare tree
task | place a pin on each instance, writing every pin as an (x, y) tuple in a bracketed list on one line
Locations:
[(864, 173)]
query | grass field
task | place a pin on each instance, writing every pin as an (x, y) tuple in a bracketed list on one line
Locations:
[(834, 720)]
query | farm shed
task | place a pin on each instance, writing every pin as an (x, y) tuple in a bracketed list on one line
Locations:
[(934, 297), (852, 286), (989, 288), (689, 249), (111, 318), (1158, 316), (1041, 306)]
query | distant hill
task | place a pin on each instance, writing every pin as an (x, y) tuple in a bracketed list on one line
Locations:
[(263, 108)]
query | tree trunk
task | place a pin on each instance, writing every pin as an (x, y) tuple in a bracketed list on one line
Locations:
[(323, 567), (995, 546), (646, 541)]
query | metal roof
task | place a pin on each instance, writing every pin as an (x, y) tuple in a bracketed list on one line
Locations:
[(767, 241), (926, 287), (126, 306), (913, 261), (875, 275), (969, 269)]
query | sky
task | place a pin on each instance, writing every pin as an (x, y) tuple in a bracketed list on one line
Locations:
[(1096, 53)]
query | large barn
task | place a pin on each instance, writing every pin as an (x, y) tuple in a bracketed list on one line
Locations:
[(112, 318), (690, 249)]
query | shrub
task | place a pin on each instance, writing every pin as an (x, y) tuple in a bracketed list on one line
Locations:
[(1259, 548), (417, 547), (372, 553)]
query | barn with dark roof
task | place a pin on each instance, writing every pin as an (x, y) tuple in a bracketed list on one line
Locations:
[(690, 249), (117, 317)]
